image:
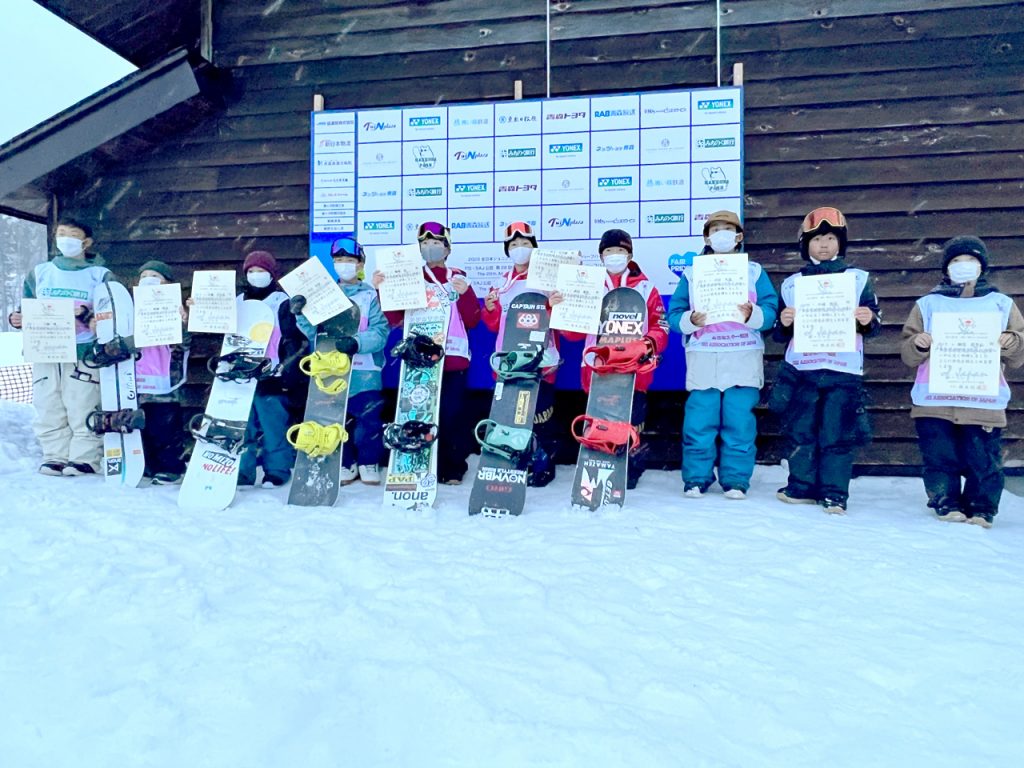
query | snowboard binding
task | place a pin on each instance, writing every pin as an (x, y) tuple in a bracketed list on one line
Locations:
[(321, 366), (411, 437), (419, 351), (126, 420), (315, 439), (629, 357), (511, 443), (223, 434), (612, 437), (241, 366), (101, 355), (518, 364)]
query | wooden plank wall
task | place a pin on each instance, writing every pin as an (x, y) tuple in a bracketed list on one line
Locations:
[(911, 121)]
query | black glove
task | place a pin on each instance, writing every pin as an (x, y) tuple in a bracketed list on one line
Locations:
[(296, 304), (84, 314), (347, 345)]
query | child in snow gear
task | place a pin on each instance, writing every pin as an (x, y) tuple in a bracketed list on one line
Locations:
[(724, 371), (616, 252), (159, 375), (520, 242), (64, 394), (819, 396), (960, 435), (463, 311), (281, 388), (363, 447)]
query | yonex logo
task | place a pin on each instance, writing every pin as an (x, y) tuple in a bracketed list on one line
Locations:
[(614, 181), (565, 149), (423, 122), (464, 188), (378, 226), (714, 104)]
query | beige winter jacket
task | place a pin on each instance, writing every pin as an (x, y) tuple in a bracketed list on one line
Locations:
[(1012, 356)]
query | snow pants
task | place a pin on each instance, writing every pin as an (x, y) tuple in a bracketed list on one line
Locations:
[(727, 416), (951, 451), (824, 419), (265, 441), (64, 394), (454, 432), (162, 437), (365, 444)]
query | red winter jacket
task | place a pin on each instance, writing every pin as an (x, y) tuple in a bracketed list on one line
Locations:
[(492, 317), (468, 306), (656, 327)]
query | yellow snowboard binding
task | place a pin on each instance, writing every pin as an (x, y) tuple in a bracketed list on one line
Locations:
[(321, 366), (315, 439)]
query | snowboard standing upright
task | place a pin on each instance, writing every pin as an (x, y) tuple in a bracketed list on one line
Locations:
[(605, 434), (506, 437), (318, 440), (119, 418), (212, 476), (411, 480)]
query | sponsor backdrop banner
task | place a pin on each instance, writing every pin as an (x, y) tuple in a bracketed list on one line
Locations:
[(654, 164)]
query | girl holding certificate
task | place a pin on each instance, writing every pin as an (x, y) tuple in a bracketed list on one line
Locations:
[(724, 365), (456, 294), (280, 398), (960, 404), (818, 395), (520, 242), (159, 374), (616, 252)]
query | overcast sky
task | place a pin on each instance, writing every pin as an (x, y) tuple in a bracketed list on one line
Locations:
[(47, 66)]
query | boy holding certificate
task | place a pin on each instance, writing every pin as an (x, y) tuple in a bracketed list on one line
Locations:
[(520, 242), (159, 374), (456, 294), (64, 394), (362, 453), (724, 361), (960, 404), (818, 395), (616, 251)]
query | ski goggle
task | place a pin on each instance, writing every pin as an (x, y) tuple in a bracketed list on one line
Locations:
[(831, 216), (518, 229), (433, 229), (347, 246)]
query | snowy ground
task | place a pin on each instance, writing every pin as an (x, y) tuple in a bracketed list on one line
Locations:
[(674, 633)]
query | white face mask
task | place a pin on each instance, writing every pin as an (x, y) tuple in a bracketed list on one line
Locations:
[(432, 251), (346, 270), (150, 280), (521, 254), (69, 246), (964, 271), (722, 241), (616, 263), (259, 279)]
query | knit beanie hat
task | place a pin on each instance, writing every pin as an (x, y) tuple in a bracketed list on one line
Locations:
[(616, 238), (964, 245), (160, 268), (264, 260)]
